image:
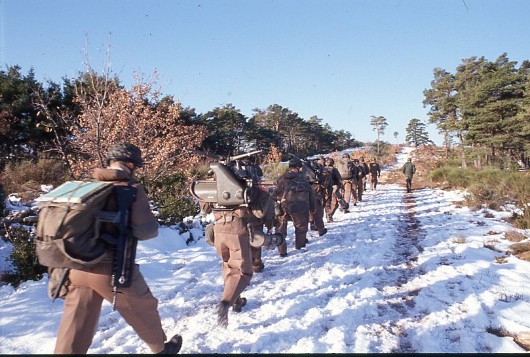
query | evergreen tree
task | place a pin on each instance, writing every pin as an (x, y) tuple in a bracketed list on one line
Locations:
[(379, 123), (21, 136), (225, 130), (521, 128), (489, 97), (416, 133), (441, 98)]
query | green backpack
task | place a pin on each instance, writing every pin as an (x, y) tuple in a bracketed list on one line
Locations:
[(68, 229)]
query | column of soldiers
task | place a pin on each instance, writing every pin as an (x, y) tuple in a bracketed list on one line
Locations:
[(303, 195), (308, 191)]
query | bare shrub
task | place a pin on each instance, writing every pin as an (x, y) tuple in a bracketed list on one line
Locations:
[(26, 177), (491, 245), (501, 259), (521, 250), (514, 236)]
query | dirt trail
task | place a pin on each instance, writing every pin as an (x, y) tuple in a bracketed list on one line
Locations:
[(402, 267)]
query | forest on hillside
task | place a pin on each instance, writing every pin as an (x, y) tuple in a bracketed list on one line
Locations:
[(482, 109)]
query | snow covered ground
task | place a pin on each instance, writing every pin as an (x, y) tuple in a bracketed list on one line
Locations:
[(399, 273)]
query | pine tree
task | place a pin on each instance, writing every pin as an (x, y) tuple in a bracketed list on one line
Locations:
[(379, 123), (416, 133), (441, 98)]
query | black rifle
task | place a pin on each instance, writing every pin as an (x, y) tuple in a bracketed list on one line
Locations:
[(125, 255)]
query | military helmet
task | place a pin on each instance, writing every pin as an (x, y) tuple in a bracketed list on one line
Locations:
[(295, 162), (409, 159), (345, 155), (127, 153), (330, 161)]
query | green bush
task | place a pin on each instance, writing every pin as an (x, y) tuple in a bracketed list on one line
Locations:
[(171, 198), (456, 177), (23, 257), (517, 188), (490, 187), (484, 195)]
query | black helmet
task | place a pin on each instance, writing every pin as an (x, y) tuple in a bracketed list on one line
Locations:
[(127, 153), (295, 162)]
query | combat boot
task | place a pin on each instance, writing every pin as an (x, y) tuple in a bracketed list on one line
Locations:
[(222, 313), (240, 302), (172, 347), (324, 231)]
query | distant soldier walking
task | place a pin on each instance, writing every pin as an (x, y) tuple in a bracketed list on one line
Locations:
[(318, 185), (348, 173), (366, 170), (375, 172), (409, 169), (361, 174), (332, 200)]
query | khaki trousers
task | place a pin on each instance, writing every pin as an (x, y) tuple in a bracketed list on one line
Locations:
[(232, 244), (82, 307), (350, 191)]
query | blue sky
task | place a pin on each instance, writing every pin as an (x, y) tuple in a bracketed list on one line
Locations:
[(341, 60)]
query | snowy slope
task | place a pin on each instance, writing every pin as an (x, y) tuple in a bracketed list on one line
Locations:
[(399, 273)]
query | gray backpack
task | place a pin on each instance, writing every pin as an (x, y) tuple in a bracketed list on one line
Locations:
[(345, 169)]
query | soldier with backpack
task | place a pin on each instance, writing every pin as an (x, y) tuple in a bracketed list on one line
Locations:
[(89, 287), (348, 173), (333, 193), (375, 173), (296, 198), (366, 170), (318, 185), (361, 174), (236, 226)]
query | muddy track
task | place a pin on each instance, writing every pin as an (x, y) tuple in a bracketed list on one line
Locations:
[(399, 301)]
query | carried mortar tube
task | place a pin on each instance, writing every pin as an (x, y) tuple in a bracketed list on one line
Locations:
[(225, 190), (260, 239)]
